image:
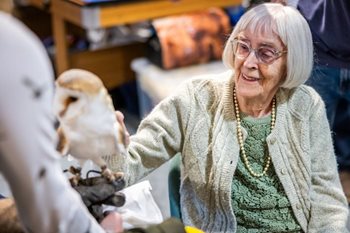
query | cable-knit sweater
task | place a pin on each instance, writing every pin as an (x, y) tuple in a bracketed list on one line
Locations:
[(260, 203), (199, 121)]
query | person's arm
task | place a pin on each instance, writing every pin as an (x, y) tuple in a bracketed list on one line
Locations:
[(28, 159), (159, 137), (329, 210)]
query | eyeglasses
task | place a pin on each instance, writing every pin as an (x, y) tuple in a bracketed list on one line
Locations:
[(264, 54)]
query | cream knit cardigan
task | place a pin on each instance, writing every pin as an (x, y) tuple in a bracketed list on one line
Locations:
[(199, 122)]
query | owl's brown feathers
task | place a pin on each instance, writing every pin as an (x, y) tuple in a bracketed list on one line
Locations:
[(80, 80)]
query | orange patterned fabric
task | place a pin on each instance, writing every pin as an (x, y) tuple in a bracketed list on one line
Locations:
[(192, 38)]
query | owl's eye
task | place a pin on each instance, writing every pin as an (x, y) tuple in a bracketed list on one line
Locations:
[(69, 100), (66, 103), (72, 99)]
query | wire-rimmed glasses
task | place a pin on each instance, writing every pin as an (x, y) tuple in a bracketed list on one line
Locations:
[(264, 54)]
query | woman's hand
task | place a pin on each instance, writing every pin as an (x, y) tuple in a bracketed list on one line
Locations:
[(120, 118)]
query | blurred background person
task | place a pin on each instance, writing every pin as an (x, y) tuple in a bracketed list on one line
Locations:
[(329, 22), (28, 159)]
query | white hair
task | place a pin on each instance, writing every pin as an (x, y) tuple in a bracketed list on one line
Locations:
[(292, 29)]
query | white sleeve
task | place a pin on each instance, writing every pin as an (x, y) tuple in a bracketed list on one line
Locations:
[(28, 158)]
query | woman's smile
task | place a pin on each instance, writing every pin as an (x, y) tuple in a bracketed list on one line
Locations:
[(249, 78)]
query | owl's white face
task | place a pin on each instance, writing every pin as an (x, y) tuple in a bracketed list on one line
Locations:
[(69, 104), (76, 89)]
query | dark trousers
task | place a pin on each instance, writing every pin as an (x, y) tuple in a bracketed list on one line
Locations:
[(334, 87)]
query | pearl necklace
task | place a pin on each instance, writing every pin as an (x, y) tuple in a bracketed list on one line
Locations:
[(240, 137)]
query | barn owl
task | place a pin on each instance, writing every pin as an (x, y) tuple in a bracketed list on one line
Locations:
[(88, 125)]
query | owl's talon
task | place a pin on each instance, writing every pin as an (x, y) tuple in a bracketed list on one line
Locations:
[(111, 176), (76, 178), (118, 175), (75, 170), (74, 181)]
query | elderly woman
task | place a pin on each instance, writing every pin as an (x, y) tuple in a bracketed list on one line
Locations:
[(255, 144)]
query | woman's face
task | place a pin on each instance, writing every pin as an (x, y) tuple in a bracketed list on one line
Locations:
[(253, 78)]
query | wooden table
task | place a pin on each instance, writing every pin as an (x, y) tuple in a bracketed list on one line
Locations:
[(109, 15)]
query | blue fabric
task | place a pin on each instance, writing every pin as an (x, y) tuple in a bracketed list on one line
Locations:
[(334, 86), (2, 197)]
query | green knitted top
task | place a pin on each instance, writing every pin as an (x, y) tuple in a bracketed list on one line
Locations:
[(260, 204)]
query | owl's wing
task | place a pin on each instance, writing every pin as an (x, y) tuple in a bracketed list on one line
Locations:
[(62, 145)]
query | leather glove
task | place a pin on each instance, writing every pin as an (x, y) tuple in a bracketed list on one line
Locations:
[(96, 191)]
